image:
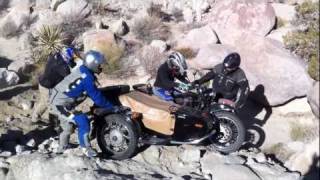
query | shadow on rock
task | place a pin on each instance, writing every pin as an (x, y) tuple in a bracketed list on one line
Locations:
[(253, 118), (40, 134), (4, 62), (314, 170), (14, 91), (10, 139)]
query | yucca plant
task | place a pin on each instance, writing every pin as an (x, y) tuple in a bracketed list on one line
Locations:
[(49, 41)]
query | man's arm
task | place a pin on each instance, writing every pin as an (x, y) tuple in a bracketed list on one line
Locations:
[(62, 67), (95, 94), (207, 77), (242, 93), (167, 82)]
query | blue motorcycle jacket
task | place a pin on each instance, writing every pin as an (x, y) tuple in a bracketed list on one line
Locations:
[(75, 87)]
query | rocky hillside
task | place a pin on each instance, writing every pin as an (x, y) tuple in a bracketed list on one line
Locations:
[(281, 115)]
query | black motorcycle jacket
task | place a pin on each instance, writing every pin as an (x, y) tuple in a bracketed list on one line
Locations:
[(233, 86), (165, 78), (56, 69)]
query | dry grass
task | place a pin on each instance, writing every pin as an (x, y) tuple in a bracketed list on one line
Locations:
[(155, 11), (150, 28), (188, 53), (303, 133), (150, 58)]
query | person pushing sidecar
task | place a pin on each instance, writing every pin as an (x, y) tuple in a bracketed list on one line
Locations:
[(70, 92), (229, 81)]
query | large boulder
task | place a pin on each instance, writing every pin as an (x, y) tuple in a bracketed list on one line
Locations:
[(198, 38), (39, 167), (104, 41), (304, 160), (245, 165), (279, 33), (8, 78), (231, 19), (284, 12), (74, 9), (18, 18), (210, 55), (282, 75), (279, 75), (120, 28), (46, 17), (313, 98)]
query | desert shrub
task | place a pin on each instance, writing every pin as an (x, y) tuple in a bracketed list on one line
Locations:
[(149, 28), (301, 132), (111, 67), (155, 11), (151, 58), (48, 40), (188, 53), (177, 14), (113, 53), (313, 68), (76, 26), (304, 42)]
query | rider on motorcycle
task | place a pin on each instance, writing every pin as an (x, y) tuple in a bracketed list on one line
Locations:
[(229, 81), (70, 92), (175, 67)]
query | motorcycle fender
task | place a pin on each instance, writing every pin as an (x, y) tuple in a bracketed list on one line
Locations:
[(221, 107)]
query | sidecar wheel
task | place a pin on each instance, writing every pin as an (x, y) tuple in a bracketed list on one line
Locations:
[(232, 133), (117, 138)]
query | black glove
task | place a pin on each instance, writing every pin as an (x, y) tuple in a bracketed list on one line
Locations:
[(194, 84), (120, 109)]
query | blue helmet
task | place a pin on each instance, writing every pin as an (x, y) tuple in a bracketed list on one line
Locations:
[(93, 60), (68, 54)]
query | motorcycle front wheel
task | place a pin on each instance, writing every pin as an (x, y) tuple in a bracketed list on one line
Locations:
[(117, 138), (231, 135)]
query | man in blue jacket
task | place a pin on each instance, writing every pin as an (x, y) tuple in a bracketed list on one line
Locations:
[(70, 92)]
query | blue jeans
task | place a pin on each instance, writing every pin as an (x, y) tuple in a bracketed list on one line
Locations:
[(162, 93)]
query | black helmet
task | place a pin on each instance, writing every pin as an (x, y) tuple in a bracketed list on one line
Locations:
[(231, 62)]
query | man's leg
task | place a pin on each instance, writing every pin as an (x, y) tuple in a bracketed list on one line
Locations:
[(83, 124), (64, 137), (162, 94), (41, 106), (65, 119)]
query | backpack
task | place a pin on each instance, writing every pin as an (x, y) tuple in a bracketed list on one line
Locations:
[(56, 69)]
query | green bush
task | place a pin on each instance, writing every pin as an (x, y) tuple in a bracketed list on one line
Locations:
[(304, 42), (313, 67)]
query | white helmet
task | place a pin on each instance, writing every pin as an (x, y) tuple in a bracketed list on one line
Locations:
[(177, 62), (93, 60)]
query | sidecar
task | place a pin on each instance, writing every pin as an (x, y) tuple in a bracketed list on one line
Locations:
[(151, 121)]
